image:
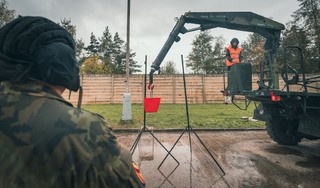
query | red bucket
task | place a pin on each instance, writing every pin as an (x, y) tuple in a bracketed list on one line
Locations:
[(151, 104)]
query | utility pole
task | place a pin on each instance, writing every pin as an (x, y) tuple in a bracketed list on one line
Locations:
[(126, 109)]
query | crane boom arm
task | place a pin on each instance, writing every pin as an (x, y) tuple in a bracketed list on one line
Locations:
[(243, 21)]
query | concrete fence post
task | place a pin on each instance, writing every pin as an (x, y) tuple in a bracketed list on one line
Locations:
[(204, 100), (112, 89), (173, 89)]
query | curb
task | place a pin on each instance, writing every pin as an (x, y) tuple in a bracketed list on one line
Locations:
[(131, 130)]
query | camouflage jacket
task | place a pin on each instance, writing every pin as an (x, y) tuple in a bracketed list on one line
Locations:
[(46, 142)]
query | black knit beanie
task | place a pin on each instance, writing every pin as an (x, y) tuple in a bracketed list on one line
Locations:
[(35, 47)]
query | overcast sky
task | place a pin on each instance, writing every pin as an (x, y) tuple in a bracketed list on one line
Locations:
[(151, 20)]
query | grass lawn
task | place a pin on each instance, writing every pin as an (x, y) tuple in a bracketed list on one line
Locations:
[(174, 116)]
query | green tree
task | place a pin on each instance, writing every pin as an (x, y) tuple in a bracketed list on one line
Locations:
[(133, 65), (120, 66), (6, 15), (111, 52), (295, 36), (117, 45), (201, 53), (206, 56), (94, 47), (168, 68), (119, 54), (307, 17), (106, 44), (94, 65), (253, 50), (66, 24), (80, 50), (218, 56)]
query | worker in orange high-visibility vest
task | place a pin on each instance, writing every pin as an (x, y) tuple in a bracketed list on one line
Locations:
[(233, 53)]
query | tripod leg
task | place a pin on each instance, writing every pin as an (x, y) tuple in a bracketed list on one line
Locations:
[(189, 130), (205, 147), (169, 152), (134, 145)]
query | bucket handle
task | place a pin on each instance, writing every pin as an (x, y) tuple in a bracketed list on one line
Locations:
[(151, 93)]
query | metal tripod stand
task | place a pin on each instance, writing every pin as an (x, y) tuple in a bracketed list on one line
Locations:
[(190, 130), (145, 129)]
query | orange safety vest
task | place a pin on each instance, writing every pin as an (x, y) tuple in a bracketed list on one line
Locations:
[(234, 54)]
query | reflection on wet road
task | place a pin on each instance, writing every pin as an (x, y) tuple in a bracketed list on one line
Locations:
[(250, 159)]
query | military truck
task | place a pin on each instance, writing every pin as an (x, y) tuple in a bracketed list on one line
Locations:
[(289, 115)]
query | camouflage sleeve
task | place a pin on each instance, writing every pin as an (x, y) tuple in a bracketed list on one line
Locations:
[(111, 164), (46, 143)]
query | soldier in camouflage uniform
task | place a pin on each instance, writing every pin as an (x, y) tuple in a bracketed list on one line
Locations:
[(44, 140)]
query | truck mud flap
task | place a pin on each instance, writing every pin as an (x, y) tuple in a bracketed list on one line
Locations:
[(260, 113)]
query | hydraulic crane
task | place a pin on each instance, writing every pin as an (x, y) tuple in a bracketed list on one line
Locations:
[(289, 115)]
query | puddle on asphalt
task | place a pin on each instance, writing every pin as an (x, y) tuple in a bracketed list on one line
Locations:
[(283, 150), (195, 169), (312, 161), (249, 161)]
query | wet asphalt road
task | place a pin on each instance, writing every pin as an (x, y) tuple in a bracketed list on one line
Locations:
[(248, 159)]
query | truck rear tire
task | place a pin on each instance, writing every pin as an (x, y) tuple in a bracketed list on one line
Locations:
[(283, 131)]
